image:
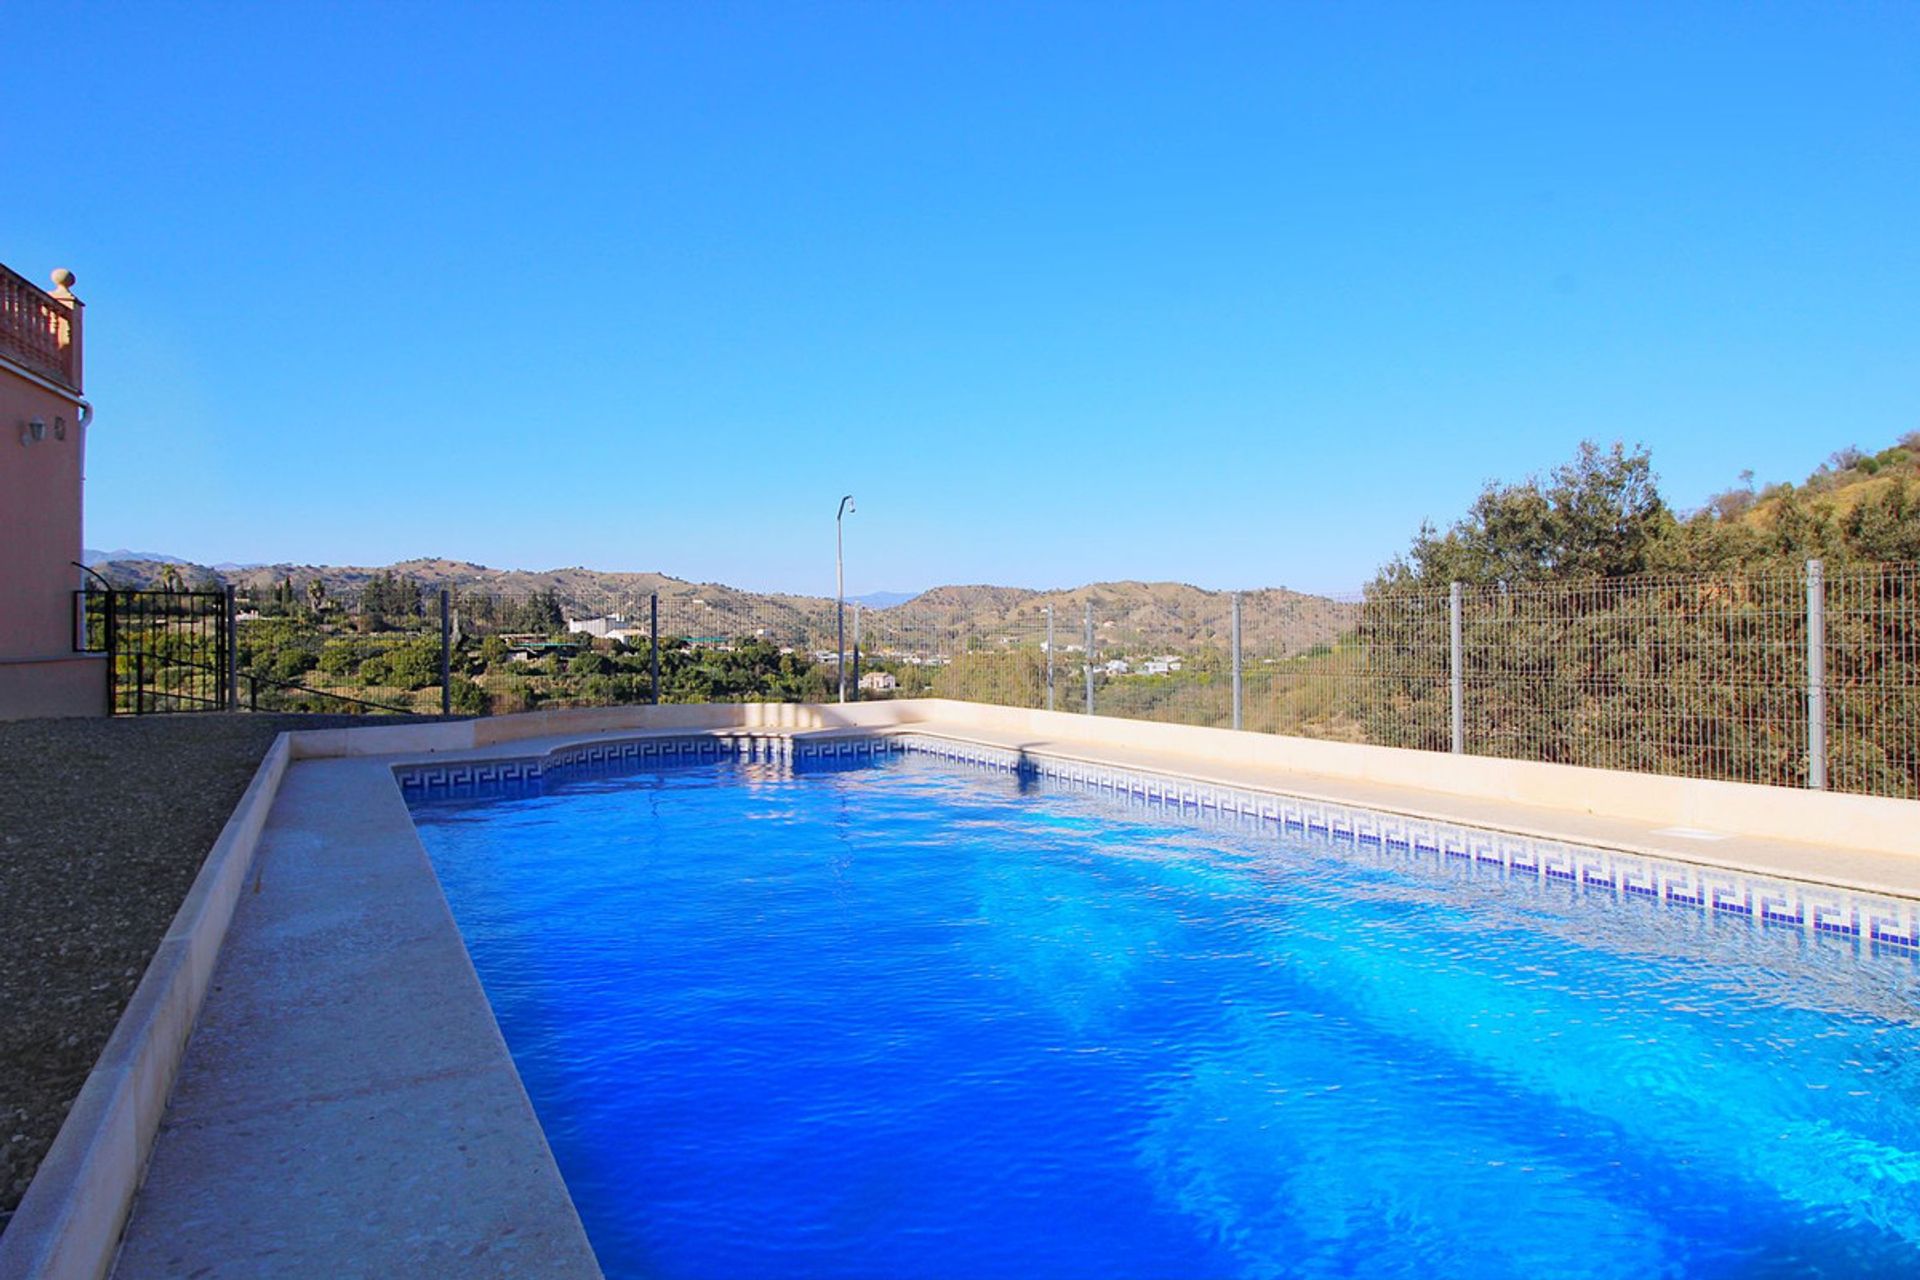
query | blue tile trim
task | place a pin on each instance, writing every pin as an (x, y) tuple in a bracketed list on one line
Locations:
[(469, 778), (1890, 923)]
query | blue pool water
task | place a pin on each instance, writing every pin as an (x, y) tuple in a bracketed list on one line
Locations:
[(911, 1019)]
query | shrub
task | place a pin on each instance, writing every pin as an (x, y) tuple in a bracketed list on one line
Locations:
[(468, 698), (414, 666), (339, 657)]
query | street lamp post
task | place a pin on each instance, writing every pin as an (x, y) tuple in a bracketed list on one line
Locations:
[(840, 594)]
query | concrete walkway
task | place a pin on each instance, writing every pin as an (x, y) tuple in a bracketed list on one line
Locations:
[(346, 1106)]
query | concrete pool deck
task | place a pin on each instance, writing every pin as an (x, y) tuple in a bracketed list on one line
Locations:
[(1866, 870), (346, 1105)]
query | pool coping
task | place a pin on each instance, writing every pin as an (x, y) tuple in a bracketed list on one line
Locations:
[(1837, 823), (348, 1104), (71, 1220), (1866, 872), (1755, 888), (1569, 829), (1625, 869)]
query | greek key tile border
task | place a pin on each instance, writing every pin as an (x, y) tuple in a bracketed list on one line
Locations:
[(1764, 901), (1438, 846), (468, 779)]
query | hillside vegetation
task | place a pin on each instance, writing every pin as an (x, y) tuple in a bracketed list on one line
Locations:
[(1602, 516), (1602, 628)]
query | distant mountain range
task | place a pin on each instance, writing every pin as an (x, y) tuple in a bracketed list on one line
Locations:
[(1129, 616), (91, 557), (883, 599)]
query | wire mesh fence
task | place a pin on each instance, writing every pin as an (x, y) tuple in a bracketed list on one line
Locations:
[(369, 655), (1702, 677), (942, 652), (1872, 679), (1787, 678)]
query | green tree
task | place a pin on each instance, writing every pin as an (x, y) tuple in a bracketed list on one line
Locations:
[(276, 648), (1014, 678), (591, 664), (415, 665), (1886, 526), (339, 657), (391, 597), (540, 612), (467, 697), (1600, 515)]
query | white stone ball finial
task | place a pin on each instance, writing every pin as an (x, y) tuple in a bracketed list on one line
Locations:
[(62, 282)]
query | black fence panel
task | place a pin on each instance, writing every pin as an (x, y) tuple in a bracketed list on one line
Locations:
[(166, 651)]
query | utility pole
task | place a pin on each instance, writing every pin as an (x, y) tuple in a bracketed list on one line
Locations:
[(840, 594)]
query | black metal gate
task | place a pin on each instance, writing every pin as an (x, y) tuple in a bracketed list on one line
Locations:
[(166, 650)]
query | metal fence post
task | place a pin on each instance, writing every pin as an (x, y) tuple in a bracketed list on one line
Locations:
[(653, 644), (1049, 657), (446, 652), (1816, 675), (1236, 659), (1456, 676), (232, 655), (1089, 659), (113, 655)]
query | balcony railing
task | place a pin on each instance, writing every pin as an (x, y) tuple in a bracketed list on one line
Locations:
[(37, 331)]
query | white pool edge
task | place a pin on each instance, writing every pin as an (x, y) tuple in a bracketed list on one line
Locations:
[(1854, 823)]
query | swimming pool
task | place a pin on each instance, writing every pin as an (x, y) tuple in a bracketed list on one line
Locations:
[(901, 1016)]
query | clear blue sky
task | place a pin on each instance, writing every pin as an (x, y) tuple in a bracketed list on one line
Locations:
[(1231, 295)]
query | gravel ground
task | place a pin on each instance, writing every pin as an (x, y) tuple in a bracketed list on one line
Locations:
[(103, 825)]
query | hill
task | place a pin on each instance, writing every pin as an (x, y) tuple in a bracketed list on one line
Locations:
[(91, 557), (1855, 507), (1837, 488), (1131, 616), (1135, 616)]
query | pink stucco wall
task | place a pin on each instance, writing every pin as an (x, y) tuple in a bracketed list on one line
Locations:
[(40, 537), (73, 685)]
